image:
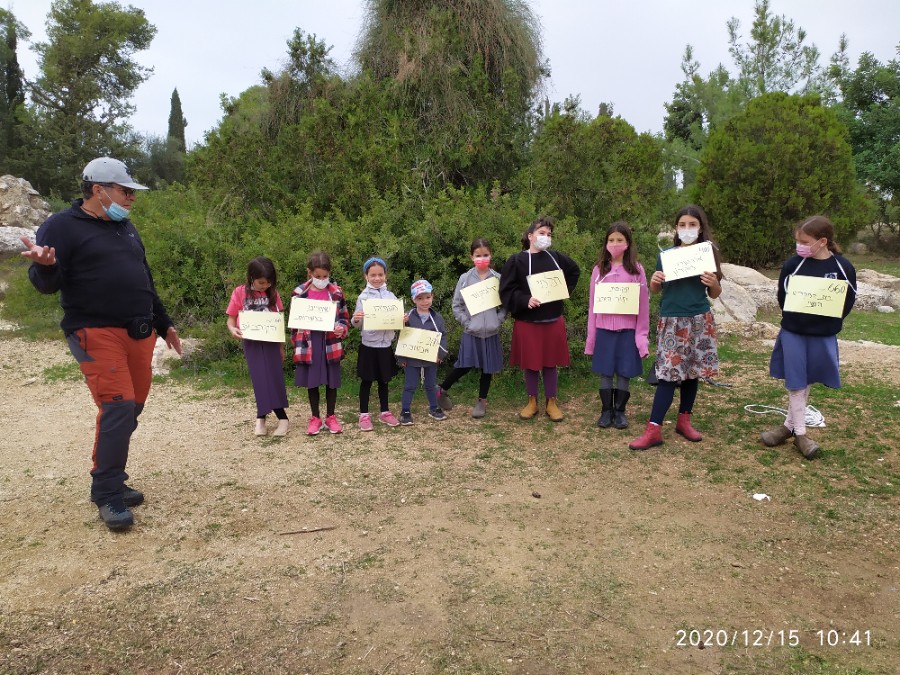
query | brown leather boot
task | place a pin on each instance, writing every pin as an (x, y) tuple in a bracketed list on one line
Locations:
[(807, 447), (775, 436), (651, 437), (530, 409), (683, 427), (553, 411)]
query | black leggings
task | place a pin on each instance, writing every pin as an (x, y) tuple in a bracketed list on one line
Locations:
[(665, 392), (484, 384), (330, 401), (279, 413), (365, 389)]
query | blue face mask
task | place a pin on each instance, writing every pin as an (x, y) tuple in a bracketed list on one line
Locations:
[(115, 212)]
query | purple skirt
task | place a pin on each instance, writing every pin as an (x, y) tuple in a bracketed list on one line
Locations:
[(265, 366), (802, 360), (320, 371)]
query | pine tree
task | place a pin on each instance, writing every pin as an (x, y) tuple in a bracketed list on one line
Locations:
[(13, 90)]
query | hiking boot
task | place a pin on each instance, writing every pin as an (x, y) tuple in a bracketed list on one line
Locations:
[(683, 427), (406, 418), (620, 400), (314, 427), (553, 411), (333, 425), (259, 429), (775, 436), (480, 409), (807, 447), (388, 418), (115, 515), (365, 422), (443, 399), (606, 411), (651, 437), (282, 428), (130, 497), (530, 409), (437, 414)]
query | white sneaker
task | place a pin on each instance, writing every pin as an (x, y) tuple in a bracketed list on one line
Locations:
[(260, 428), (282, 428)]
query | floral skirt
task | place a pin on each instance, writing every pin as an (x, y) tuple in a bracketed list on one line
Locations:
[(686, 347)]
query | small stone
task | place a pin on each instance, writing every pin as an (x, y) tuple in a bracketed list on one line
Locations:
[(536, 494), (886, 309)]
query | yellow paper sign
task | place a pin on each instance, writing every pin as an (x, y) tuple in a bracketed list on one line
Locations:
[(616, 298), (688, 261), (309, 314), (815, 295), (482, 296), (382, 314), (416, 343), (548, 286), (262, 326)]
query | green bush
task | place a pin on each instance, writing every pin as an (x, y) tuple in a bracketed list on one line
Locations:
[(783, 159)]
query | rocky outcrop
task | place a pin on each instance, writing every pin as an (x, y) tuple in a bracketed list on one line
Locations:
[(21, 212)]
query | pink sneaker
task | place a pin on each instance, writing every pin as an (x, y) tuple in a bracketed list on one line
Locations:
[(333, 425), (315, 426), (365, 422), (388, 418)]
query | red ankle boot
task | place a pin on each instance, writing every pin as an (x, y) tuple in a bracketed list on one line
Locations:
[(683, 427), (651, 437)]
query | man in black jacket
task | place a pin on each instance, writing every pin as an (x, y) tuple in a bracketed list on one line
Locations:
[(92, 254)]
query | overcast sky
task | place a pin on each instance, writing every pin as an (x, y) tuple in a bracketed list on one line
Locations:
[(627, 53)]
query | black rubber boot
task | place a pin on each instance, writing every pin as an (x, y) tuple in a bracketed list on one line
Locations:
[(606, 412), (620, 421)]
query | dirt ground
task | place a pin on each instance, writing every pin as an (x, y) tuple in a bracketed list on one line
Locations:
[(494, 546)]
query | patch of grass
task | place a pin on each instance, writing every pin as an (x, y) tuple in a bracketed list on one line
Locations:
[(36, 315), (66, 372)]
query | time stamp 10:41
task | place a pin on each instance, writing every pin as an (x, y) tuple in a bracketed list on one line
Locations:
[(732, 637)]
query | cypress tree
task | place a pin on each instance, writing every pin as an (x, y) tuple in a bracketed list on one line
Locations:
[(177, 122)]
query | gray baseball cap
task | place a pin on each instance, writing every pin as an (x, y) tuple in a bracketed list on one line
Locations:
[(109, 170)]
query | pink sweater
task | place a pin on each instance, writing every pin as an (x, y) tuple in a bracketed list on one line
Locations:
[(639, 323)]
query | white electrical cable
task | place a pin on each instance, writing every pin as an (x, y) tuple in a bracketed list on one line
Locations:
[(813, 417)]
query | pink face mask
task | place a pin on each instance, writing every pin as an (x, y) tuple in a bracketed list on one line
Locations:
[(483, 262), (615, 250)]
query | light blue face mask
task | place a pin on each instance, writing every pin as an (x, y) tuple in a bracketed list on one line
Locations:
[(115, 211)]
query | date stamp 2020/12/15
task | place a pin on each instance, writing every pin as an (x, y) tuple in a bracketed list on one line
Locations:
[(759, 637)]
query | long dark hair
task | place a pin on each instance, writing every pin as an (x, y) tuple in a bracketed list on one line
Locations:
[(481, 242), (629, 258), (318, 260), (705, 232), (542, 221), (263, 268), (818, 227)]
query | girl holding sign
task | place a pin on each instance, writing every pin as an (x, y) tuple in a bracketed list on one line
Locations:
[(480, 344), (375, 362), (685, 332), (539, 343), (618, 322), (264, 358), (317, 353), (806, 350)]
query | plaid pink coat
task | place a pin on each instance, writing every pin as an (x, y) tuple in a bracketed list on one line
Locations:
[(334, 349)]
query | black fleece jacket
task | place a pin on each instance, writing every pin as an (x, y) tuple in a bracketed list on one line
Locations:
[(101, 272)]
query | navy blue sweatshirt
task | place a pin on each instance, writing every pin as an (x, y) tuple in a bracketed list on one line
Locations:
[(101, 272), (830, 268)]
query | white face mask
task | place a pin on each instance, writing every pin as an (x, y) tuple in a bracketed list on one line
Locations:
[(689, 236), (542, 242), (321, 284)]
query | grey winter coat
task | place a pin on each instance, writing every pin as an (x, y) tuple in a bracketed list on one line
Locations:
[(483, 324)]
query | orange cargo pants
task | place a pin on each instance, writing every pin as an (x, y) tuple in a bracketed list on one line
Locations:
[(117, 370)]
